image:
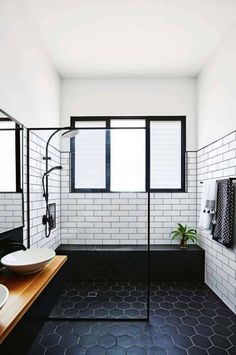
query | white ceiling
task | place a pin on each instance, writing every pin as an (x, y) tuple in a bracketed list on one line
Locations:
[(130, 38)]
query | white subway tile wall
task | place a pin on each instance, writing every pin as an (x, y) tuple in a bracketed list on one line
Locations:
[(37, 203), (121, 218), (217, 161), (10, 211)]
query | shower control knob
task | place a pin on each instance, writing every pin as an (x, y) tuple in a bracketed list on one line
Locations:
[(44, 220)]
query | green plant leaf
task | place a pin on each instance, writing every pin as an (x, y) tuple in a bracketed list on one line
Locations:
[(183, 232)]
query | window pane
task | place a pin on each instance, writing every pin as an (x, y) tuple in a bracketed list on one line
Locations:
[(90, 156), (165, 154), (128, 156), (7, 157)]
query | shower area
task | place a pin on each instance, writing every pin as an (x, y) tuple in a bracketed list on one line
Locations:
[(93, 196)]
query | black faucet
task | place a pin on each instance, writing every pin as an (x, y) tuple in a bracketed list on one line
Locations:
[(17, 245), (6, 247), (9, 244)]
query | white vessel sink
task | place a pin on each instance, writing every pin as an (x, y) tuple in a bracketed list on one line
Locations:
[(4, 293), (28, 261)]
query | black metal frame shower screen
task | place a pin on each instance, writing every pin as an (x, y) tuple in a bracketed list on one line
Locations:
[(148, 191)]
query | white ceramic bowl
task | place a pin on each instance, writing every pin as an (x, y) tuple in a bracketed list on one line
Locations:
[(28, 261), (4, 293)]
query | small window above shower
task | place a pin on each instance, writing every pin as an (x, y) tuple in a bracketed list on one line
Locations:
[(128, 154), (88, 151)]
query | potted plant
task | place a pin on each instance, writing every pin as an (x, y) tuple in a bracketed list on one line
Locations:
[(184, 234)]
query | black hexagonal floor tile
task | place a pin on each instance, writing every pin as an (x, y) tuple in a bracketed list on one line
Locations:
[(131, 313), (205, 320), (115, 350), (99, 329), (107, 341), (192, 312), (221, 330), (187, 330), (68, 340), (162, 340), (64, 329), (232, 339), (88, 340), (116, 330), (189, 320), (178, 312), (82, 329), (220, 341), (135, 350), (232, 351), (144, 341), (151, 329), (50, 339), (125, 341), (158, 320), (195, 350), (49, 327), (222, 320), (162, 312), (204, 330), (175, 350), (182, 340), (223, 311), (96, 350), (156, 350), (201, 341), (214, 350), (168, 329), (55, 350), (185, 319), (133, 329), (75, 350)]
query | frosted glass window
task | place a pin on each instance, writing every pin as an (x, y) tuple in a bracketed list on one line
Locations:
[(90, 156), (165, 154), (7, 157), (127, 156), (115, 159)]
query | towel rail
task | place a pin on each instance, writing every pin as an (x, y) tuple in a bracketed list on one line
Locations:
[(232, 179)]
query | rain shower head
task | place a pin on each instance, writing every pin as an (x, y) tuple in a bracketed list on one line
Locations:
[(71, 133)]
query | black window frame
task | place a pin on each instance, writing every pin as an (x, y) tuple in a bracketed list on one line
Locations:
[(17, 155), (148, 120)]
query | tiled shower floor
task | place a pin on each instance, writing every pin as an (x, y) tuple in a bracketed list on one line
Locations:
[(185, 319), (103, 300)]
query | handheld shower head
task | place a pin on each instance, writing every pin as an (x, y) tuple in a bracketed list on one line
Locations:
[(54, 168)]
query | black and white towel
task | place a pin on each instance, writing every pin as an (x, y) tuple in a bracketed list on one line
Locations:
[(222, 230)]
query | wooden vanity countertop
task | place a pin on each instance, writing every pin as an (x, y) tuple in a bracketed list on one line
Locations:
[(23, 291)]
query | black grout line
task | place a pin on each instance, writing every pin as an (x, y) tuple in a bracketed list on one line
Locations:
[(228, 134)]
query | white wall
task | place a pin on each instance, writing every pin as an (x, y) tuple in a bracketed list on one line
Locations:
[(216, 86), (29, 85), (216, 108), (130, 97)]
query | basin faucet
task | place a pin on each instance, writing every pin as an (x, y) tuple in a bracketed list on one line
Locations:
[(9, 244)]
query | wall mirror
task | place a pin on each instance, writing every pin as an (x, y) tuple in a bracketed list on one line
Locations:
[(11, 174)]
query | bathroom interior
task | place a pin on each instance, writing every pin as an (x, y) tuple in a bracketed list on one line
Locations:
[(118, 178)]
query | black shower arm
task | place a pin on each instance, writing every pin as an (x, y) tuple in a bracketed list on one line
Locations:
[(46, 154)]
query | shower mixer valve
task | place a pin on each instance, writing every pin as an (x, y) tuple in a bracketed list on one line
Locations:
[(48, 220)]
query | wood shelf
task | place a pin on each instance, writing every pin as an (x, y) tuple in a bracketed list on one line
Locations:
[(23, 291)]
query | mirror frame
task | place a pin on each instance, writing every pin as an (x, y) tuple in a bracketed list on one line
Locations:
[(19, 166)]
